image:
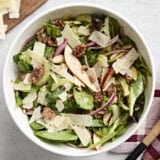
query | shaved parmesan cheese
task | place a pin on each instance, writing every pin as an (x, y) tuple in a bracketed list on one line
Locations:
[(79, 119), (14, 10), (58, 123), (21, 86), (84, 30), (28, 105), (11, 7), (3, 11), (59, 40), (122, 65), (68, 86), (37, 60), (36, 115), (39, 48), (7, 4), (42, 96), (34, 63), (62, 71), (59, 105), (27, 79), (72, 38), (30, 97), (100, 38), (63, 96), (83, 134)]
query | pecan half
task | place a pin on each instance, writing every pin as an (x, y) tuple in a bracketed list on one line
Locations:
[(79, 50), (111, 89), (48, 113), (98, 97), (37, 74), (58, 23), (40, 35), (43, 39), (50, 42)]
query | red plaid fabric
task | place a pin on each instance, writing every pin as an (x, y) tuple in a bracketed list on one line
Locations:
[(153, 151)]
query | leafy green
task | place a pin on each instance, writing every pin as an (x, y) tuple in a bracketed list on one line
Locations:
[(91, 57), (113, 58), (121, 104), (62, 136), (50, 82), (116, 113), (142, 67), (84, 99), (53, 30), (97, 21), (125, 86), (101, 131), (136, 89), (48, 51), (29, 45), (118, 128), (18, 99), (83, 39), (70, 106), (114, 27), (97, 123), (53, 96), (121, 129), (36, 126), (84, 18), (60, 82), (127, 40), (23, 62)]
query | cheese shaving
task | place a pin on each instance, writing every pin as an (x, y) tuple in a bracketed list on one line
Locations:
[(8, 6)]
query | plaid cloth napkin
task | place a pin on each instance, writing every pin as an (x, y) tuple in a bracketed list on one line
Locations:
[(153, 151)]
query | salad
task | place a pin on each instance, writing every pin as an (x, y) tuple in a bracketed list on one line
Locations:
[(80, 81)]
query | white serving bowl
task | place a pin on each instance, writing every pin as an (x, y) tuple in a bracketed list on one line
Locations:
[(9, 74)]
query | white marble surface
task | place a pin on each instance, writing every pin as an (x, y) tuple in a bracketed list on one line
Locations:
[(144, 14)]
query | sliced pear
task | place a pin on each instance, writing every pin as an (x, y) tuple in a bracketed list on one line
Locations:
[(76, 68), (134, 73), (95, 140)]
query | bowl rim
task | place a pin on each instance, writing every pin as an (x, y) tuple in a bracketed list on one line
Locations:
[(96, 6)]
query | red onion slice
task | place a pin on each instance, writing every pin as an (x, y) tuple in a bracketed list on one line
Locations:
[(112, 41), (123, 49), (90, 44), (60, 48), (109, 102), (106, 77)]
